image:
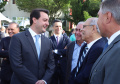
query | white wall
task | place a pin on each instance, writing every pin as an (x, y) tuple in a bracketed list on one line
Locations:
[(11, 11)]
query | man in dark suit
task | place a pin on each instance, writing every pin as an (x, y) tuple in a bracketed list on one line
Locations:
[(106, 69), (59, 42), (90, 51), (30, 52), (6, 71), (73, 51)]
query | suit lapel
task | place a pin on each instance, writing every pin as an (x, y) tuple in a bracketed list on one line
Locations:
[(30, 39), (107, 49), (42, 47), (54, 41), (71, 52)]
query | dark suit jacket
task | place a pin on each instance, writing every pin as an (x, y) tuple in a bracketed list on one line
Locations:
[(69, 54), (27, 68), (91, 56), (6, 71), (60, 47), (106, 69)]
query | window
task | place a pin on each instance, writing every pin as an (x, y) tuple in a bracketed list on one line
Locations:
[(22, 21)]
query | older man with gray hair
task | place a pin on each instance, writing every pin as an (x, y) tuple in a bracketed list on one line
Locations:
[(106, 69), (90, 51), (73, 51)]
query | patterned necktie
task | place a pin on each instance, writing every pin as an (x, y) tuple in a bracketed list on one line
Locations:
[(37, 44), (81, 60)]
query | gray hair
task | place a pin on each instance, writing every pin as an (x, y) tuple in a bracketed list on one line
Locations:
[(94, 22), (112, 6), (81, 22), (14, 23)]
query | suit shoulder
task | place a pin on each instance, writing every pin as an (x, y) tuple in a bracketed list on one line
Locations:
[(66, 37), (51, 37), (46, 38), (5, 38), (19, 34), (101, 42), (70, 44)]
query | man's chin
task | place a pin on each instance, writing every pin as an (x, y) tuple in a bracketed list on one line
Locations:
[(10, 35), (43, 30)]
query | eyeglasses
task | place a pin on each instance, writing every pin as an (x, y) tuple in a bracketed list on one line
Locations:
[(86, 25), (78, 30)]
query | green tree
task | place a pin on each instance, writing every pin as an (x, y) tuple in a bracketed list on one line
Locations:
[(93, 8), (82, 10), (77, 6), (86, 15), (52, 5), (2, 4)]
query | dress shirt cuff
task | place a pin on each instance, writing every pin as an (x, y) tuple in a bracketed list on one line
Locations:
[(44, 81), (56, 51)]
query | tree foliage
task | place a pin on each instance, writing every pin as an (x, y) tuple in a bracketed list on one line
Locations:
[(77, 6), (94, 7), (86, 15), (82, 10), (52, 5), (2, 4)]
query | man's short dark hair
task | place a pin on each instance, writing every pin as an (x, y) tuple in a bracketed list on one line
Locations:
[(56, 20), (36, 14), (14, 23)]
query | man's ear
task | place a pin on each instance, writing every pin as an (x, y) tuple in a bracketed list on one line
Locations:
[(34, 20), (108, 17), (94, 28)]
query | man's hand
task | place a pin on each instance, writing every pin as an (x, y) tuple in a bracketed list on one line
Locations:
[(40, 82), (65, 47)]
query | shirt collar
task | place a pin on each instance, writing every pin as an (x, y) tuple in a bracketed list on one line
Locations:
[(81, 43), (91, 43), (58, 36), (33, 33), (113, 37)]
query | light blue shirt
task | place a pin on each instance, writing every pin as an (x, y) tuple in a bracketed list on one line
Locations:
[(76, 54), (33, 36)]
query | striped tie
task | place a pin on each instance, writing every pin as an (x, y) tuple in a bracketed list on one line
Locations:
[(81, 60)]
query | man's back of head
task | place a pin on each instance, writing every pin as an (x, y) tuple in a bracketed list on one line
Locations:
[(109, 17)]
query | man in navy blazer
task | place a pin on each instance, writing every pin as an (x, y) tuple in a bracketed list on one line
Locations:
[(32, 64), (59, 42), (73, 51), (95, 44), (6, 71)]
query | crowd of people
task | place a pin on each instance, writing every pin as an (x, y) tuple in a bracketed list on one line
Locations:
[(90, 55)]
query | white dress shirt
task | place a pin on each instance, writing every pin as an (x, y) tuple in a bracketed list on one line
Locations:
[(91, 43), (59, 37), (113, 37)]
